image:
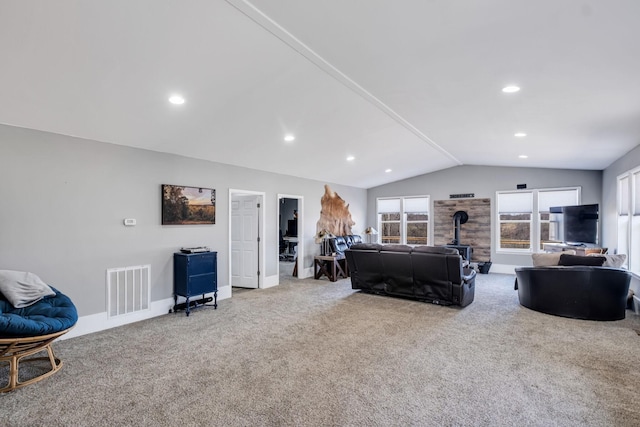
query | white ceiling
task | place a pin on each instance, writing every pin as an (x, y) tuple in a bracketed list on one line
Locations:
[(410, 85)]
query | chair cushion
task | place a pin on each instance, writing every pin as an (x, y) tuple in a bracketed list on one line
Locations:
[(338, 245), (612, 260), (49, 315), (568, 260), (547, 259)]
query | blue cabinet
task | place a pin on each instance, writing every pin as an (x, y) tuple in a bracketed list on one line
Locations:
[(195, 275)]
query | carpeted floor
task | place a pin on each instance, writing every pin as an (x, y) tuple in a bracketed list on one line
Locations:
[(315, 353)]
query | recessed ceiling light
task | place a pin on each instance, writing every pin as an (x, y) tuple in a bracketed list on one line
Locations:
[(350, 158), (176, 99), (289, 138), (523, 156), (519, 134), (387, 170), (510, 89)]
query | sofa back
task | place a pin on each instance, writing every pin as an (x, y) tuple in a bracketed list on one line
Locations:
[(581, 292), (435, 270), (397, 269), (423, 272), (365, 267)]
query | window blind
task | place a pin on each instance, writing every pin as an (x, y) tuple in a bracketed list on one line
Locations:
[(520, 202), (388, 205)]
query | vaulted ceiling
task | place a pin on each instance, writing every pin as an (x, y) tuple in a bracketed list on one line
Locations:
[(413, 86)]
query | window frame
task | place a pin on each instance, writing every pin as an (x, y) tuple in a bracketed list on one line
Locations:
[(535, 221), (628, 218), (403, 221), (381, 222), (501, 221)]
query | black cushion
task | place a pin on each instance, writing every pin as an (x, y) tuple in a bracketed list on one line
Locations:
[(352, 238), (338, 245), (367, 246), (396, 248), (567, 260)]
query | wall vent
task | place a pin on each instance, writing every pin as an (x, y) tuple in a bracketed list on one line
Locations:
[(128, 290)]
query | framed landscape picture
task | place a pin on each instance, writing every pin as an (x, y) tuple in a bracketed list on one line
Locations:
[(188, 205)]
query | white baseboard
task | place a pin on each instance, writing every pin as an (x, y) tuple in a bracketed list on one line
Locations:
[(503, 268), (307, 272), (270, 281), (100, 321)]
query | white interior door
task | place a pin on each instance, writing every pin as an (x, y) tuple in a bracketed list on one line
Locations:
[(244, 241)]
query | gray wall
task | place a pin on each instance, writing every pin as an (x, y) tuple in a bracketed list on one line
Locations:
[(64, 200), (484, 181), (627, 162)]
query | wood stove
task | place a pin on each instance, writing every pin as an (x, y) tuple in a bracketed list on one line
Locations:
[(465, 251)]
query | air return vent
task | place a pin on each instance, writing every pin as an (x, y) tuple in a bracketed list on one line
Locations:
[(128, 290)]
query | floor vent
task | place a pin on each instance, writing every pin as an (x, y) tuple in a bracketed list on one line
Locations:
[(128, 290)]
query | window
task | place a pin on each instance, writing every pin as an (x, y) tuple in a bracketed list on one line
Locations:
[(514, 219), (546, 199), (416, 215), (404, 220), (519, 230), (389, 220), (629, 218)]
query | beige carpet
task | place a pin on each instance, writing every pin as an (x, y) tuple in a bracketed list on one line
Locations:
[(315, 353)]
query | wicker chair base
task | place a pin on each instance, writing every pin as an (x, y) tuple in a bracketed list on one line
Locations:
[(13, 350)]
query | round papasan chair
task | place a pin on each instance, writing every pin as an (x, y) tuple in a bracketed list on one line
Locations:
[(32, 316)]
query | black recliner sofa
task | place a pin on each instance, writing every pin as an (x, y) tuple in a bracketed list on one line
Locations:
[(339, 244), (425, 273)]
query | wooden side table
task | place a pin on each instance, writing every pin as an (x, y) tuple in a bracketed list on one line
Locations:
[(329, 266)]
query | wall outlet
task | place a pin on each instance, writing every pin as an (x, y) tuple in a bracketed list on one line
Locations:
[(129, 222)]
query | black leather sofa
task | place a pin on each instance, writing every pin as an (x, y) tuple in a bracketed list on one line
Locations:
[(579, 292), (425, 273)]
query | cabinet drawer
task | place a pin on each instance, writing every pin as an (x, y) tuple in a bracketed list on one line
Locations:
[(202, 284), (201, 264)]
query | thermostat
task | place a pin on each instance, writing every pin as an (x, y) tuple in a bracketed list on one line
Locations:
[(130, 221)]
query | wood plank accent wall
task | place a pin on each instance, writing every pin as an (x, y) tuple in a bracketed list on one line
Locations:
[(476, 232)]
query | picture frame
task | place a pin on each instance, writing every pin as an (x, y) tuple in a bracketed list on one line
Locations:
[(185, 205)]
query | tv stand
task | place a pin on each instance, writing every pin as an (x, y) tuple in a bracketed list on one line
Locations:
[(583, 249)]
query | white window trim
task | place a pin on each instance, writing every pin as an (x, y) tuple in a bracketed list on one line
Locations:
[(631, 213), (535, 219), (500, 221), (403, 218)]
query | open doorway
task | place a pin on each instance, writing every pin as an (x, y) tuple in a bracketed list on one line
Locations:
[(290, 231), (246, 245)]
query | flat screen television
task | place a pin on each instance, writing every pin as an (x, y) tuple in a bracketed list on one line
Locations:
[(576, 224)]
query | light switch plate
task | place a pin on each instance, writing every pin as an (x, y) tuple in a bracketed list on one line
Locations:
[(129, 221)]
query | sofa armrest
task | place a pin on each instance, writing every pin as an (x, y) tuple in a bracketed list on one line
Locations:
[(468, 275)]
